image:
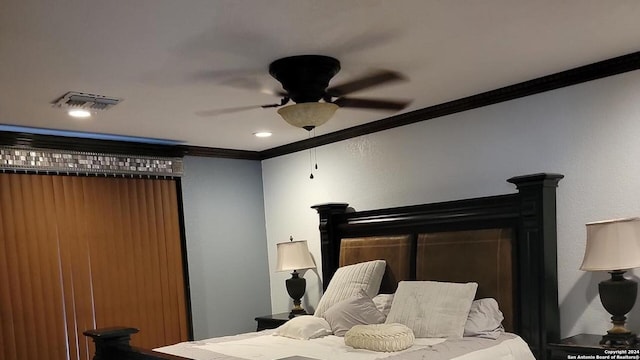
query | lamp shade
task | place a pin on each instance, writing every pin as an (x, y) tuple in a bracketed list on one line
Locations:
[(308, 115), (294, 255), (612, 245)]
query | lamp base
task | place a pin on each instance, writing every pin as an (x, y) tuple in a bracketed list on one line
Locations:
[(296, 312), (618, 295), (619, 340), (296, 287)]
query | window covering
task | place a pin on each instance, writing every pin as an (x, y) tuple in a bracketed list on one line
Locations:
[(83, 252)]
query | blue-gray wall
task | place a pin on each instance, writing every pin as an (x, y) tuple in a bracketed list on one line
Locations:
[(588, 132), (226, 245)]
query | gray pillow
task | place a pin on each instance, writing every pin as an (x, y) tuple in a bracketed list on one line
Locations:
[(357, 310), (484, 320)]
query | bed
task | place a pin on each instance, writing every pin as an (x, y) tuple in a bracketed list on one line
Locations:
[(504, 243)]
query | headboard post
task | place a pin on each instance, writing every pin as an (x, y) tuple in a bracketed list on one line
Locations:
[(328, 224), (540, 321)]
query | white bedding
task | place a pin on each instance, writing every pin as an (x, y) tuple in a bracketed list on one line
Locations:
[(265, 346)]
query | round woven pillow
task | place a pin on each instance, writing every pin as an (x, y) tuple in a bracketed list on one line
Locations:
[(380, 337)]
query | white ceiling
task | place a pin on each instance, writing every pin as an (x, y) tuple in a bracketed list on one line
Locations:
[(170, 59)]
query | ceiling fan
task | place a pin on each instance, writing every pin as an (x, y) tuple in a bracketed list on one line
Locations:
[(305, 80)]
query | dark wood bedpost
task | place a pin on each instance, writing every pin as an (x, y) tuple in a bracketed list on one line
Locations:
[(328, 226), (113, 343), (540, 314), (109, 340)]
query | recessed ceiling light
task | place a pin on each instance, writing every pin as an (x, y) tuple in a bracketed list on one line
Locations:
[(262, 134), (79, 113)]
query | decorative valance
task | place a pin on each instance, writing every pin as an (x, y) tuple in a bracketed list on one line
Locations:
[(19, 159)]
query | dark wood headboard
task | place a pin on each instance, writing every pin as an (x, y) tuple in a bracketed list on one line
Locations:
[(511, 238)]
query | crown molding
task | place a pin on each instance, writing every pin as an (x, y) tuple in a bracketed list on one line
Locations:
[(221, 153)]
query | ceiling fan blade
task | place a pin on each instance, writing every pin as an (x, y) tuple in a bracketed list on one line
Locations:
[(372, 103), (252, 85), (252, 80), (371, 80), (230, 110)]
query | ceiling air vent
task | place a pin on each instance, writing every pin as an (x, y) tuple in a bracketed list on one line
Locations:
[(74, 99)]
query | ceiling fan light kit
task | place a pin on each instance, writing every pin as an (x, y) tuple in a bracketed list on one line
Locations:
[(305, 79), (308, 115)]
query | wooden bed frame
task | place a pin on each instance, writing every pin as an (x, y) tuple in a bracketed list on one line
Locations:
[(517, 231)]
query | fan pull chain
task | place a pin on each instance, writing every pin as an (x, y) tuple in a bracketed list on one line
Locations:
[(313, 153), (310, 164), (310, 158), (315, 150)]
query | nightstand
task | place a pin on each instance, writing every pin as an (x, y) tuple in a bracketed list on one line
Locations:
[(272, 321), (587, 344)]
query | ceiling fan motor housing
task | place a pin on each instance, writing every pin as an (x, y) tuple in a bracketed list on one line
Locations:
[(305, 77)]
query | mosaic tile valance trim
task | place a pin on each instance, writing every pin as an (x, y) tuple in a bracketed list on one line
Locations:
[(76, 162)]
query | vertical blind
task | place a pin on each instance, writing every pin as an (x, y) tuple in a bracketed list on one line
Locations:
[(78, 253)]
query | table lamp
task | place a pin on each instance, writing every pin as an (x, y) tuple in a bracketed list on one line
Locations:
[(294, 255), (614, 246)]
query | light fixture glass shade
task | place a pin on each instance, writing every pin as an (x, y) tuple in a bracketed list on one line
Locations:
[(612, 245), (308, 115), (294, 255)]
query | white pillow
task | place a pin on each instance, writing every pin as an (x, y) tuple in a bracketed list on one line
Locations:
[(484, 320), (304, 327), (356, 310), (383, 302), (431, 308), (348, 280)]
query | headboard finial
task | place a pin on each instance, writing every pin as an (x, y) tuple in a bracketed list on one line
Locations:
[(544, 179)]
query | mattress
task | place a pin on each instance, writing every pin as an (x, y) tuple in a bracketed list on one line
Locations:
[(265, 346)]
